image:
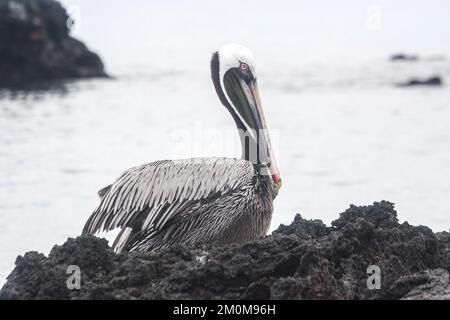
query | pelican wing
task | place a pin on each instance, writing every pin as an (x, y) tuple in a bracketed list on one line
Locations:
[(154, 193)]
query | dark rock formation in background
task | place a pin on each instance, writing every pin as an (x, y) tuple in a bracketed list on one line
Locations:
[(403, 57), (305, 260), (35, 45), (435, 81)]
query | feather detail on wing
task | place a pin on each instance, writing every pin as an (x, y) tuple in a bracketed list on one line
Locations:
[(154, 193)]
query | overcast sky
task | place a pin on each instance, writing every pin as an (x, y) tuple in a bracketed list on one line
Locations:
[(120, 30)]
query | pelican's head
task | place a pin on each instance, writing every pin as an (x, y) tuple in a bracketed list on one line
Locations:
[(233, 72)]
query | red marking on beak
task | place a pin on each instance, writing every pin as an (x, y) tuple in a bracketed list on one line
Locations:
[(277, 180)]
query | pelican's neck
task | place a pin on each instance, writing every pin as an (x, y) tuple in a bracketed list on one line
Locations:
[(249, 142), (252, 147), (246, 143)]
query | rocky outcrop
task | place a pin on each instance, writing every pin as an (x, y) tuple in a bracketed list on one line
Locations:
[(304, 260), (403, 57), (435, 81), (35, 46)]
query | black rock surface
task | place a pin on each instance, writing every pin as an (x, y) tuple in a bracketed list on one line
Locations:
[(35, 46), (403, 57), (435, 81), (305, 260)]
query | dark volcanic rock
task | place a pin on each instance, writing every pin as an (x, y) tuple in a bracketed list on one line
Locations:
[(432, 81), (306, 260), (425, 285), (404, 57), (35, 46)]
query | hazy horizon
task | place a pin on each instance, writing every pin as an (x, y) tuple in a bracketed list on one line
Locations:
[(178, 31)]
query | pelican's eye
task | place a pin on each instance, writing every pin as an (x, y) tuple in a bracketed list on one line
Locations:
[(244, 67)]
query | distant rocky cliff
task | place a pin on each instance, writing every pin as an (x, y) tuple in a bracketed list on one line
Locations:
[(35, 46), (305, 260)]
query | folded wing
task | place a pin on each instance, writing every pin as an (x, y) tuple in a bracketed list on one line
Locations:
[(150, 195)]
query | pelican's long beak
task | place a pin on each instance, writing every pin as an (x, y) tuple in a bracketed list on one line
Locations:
[(252, 93), (244, 94)]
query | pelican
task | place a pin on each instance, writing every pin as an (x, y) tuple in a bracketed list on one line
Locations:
[(200, 200)]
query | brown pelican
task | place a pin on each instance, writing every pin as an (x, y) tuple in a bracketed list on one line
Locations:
[(200, 200)]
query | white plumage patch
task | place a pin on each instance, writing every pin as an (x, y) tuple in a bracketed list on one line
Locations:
[(232, 54)]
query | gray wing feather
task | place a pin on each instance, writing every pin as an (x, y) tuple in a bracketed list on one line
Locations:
[(101, 193), (161, 189)]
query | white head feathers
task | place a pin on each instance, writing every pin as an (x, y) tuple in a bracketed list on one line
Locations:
[(232, 54)]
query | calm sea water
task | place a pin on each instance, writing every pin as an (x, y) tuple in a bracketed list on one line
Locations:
[(344, 134)]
